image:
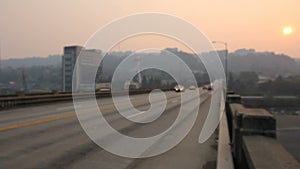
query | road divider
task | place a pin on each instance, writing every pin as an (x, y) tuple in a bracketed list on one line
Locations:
[(12, 101)]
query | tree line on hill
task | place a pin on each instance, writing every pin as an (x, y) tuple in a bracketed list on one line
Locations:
[(250, 83)]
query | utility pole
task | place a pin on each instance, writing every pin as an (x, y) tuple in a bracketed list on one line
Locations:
[(139, 69), (226, 60), (24, 81), (0, 55)]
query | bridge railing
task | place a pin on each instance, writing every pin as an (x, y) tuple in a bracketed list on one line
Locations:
[(29, 99), (253, 138)]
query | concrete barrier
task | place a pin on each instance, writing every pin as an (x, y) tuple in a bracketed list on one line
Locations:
[(265, 152), (224, 159), (253, 128)]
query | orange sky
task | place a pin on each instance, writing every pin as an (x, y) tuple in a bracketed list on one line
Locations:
[(38, 28)]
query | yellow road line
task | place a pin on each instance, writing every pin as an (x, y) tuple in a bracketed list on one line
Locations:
[(109, 107), (37, 122)]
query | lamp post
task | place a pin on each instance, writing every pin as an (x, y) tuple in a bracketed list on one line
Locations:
[(0, 54), (226, 59)]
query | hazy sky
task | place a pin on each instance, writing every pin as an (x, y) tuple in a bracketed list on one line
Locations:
[(43, 27)]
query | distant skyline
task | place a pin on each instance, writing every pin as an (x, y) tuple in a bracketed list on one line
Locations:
[(39, 28)]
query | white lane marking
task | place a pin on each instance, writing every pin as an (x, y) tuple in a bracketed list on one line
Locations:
[(137, 114)]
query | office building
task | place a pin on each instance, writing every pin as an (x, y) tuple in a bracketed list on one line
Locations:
[(68, 64)]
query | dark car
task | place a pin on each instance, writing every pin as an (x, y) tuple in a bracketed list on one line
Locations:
[(179, 88)]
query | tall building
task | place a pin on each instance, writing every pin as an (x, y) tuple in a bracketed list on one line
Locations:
[(89, 69), (68, 64)]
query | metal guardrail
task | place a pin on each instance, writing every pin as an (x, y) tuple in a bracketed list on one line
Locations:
[(29, 99)]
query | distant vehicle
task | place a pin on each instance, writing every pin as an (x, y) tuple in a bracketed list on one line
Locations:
[(104, 90), (179, 88), (192, 88), (208, 87)]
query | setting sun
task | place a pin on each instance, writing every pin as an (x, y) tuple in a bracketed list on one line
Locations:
[(287, 30)]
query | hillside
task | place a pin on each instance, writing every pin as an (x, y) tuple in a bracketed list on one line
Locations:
[(263, 63), (297, 61), (51, 60)]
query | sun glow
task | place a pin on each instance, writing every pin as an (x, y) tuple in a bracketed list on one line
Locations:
[(287, 30)]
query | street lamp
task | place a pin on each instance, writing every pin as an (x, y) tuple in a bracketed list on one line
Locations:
[(226, 59)]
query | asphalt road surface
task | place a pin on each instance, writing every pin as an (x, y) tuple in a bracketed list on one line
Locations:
[(50, 136)]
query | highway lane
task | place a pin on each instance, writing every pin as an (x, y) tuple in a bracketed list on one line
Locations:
[(22, 115), (61, 143)]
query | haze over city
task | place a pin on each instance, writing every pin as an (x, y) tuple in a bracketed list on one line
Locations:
[(150, 84), (39, 28)]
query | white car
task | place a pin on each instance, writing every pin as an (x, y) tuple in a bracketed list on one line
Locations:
[(192, 88)]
